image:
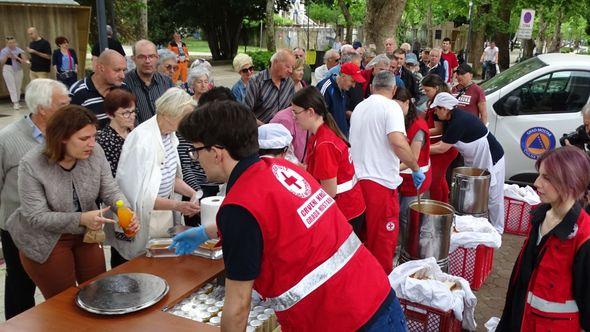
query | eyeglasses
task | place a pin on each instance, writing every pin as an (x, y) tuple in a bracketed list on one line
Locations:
[(246, 70), (194, 152), (171, 67), (143, 57), (127, 114), (297, 113), (337, 60)]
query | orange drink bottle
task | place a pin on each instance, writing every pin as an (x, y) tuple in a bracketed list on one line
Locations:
[(125, 215)]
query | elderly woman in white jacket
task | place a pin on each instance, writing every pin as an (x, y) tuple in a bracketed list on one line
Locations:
[(149, 174)]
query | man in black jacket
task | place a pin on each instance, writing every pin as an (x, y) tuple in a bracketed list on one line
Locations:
[(404, 74)]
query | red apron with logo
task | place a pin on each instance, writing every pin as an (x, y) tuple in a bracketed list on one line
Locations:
[(314, 271), (407, 187), (550, 303), (349, 196)]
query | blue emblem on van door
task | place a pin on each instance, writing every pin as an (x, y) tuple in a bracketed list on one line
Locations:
[(536, 141)]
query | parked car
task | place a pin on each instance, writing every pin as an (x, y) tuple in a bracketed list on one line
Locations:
[(532, 104)]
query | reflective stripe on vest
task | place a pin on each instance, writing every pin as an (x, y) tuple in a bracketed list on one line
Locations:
[(553, 307), (346, 186), (424, 169), (314, 279)]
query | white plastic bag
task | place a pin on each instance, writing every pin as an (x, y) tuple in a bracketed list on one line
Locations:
[(473, 231), (433, 292), (524, 194)]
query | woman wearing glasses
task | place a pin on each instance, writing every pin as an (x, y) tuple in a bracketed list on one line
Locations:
[(119, 105), (167, 64), (244, 66), (149, 175)]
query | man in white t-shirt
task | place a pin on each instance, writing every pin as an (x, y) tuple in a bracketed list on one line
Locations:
[(489, 58), (378, 143)]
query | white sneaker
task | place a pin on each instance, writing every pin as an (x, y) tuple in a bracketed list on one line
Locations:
[(16, 106)]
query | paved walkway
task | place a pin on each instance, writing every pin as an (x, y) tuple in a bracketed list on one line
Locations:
[(490, 296)]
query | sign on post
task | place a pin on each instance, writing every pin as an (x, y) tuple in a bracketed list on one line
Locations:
[(527, 20)]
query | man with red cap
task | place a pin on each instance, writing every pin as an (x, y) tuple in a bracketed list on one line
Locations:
[(333, 89)]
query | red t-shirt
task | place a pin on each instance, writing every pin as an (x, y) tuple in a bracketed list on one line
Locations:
[(469, 97), (451, 59), (328, 157)]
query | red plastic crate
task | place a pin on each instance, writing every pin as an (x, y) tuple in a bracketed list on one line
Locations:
[(421, 318), (472, 264), (517, 217)]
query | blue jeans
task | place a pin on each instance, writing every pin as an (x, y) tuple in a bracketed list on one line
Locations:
[(389, 317)]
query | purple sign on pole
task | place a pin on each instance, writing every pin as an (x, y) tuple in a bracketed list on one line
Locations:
[(527, 17)]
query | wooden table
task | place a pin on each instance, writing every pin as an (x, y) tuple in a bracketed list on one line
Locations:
[(183, 274)]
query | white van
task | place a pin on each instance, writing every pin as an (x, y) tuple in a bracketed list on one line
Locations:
[(532, 104)]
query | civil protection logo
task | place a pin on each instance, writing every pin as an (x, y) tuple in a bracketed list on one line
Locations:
[(536, 141)]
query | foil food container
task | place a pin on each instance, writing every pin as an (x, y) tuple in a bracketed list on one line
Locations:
[(157, 248)]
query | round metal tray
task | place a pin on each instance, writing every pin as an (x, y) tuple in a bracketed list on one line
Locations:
[(122, 293)]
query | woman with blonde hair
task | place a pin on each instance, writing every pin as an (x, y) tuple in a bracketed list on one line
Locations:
[(244, 66), (149, 175)]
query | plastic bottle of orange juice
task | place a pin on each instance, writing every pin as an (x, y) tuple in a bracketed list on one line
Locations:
[(125, 214)]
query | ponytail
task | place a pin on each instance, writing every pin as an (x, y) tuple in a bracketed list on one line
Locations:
[(310, 97), (331, 123)]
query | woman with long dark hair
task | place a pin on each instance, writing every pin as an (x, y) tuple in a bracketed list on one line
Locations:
[(418, 135), (327, 156), (439, 188)]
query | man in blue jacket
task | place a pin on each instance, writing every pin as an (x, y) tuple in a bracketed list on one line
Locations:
[(333, 89)]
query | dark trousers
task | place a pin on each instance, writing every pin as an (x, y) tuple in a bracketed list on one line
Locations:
[(19, 289), (116, 258)]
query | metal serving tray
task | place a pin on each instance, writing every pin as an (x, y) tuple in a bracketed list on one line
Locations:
[(122, 293)]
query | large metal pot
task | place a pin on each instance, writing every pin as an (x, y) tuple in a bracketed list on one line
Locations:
[(428, 233), (470, 189)]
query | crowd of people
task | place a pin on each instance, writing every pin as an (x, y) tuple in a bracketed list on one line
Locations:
[(345, 157)]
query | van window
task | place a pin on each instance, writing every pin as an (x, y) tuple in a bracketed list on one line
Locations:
[(558, 92), (512, 74)]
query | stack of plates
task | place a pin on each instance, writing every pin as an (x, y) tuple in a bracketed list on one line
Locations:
[(122, 293)]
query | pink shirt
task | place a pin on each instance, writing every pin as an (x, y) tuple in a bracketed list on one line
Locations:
[(285, 117)]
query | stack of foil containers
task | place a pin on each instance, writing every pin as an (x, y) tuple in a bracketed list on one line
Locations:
[(206, 305)]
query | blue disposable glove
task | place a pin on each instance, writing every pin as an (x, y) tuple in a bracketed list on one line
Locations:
[(186, 242), (418, 177)]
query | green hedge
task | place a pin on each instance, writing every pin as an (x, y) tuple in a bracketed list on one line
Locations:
[(261, 59)]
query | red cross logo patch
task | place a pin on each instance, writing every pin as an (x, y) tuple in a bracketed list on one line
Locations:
[(292, 181)]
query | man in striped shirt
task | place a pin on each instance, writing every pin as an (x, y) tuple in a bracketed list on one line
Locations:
[(272, 89), (90, 91), (145, 82)]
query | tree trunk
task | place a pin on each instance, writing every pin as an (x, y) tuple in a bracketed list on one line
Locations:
[(143, 20), (542, 34), (527, 49), (270, 26), (383, 18), (556, 40), (477, 38), (503, 37), (347, 18), (429, 30), (223, 37)]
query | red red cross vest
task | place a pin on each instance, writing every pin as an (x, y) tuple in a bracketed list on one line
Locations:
[(314, 271), (407, 187), (550, 304), (349, 196)]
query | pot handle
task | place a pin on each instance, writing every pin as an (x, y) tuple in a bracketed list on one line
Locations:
[(464, 184)]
